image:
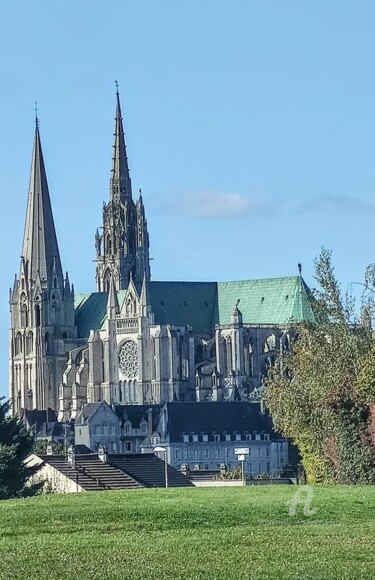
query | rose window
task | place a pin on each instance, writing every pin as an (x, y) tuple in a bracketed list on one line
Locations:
[(128, 359)]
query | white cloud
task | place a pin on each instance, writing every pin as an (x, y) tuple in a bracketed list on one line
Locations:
[(336, 204), (213, 204)]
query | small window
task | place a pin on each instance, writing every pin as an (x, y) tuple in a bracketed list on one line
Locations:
[(177, 454), (195, 438), (266, 437), (186, 438), (204, 437), (238, 436), (228, 438), (113, 429), (128, 429), (113, 447), (216, 437), (257, 436), (205, 453), (128, 446), (248, 437)]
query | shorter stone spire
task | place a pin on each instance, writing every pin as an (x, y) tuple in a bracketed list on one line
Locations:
[(112, 302)]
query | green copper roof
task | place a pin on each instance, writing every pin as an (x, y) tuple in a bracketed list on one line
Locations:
[(267, 301), (201, 305), (184, 303)]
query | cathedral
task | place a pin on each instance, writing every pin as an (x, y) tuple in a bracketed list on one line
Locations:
[(135, 340)]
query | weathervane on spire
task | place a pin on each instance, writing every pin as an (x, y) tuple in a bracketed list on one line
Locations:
[(36, 114)]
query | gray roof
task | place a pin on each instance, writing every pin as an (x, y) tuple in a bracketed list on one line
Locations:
[(216, 418)]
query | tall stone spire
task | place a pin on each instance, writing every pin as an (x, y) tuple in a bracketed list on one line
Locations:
[(40, 250), (122, 249), (41, 303), (120, 184)]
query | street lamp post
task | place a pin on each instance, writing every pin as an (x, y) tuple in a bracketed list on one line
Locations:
[(160, 449)]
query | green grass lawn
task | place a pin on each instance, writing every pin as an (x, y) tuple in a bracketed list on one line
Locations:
[(189, 533)]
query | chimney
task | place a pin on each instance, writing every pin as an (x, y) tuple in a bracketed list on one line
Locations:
[(149, 421)]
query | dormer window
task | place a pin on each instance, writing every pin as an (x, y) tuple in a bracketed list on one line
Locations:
[(128, 428), (205, 437), (195, 438), (185, 438)]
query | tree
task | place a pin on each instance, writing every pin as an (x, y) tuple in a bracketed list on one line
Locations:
[(16, 444), (321, 394)]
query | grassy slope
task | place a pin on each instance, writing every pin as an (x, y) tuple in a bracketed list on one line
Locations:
[(189, 533)]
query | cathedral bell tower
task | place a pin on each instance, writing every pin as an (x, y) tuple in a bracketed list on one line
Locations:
[(122, 248), (41, 303)]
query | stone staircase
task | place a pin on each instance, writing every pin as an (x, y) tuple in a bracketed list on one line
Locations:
[(148, 470), (92, 474)]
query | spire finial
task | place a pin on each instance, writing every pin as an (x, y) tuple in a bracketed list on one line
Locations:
[(116, 83), (300, 268), (36, 114)]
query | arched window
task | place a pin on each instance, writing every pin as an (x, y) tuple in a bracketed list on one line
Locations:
[(229, 355), (24, 316), (37, 315), (18, 344), (65, 335), (107, 279), (225, 358), (29, 343), (109, 245), (198, 353)]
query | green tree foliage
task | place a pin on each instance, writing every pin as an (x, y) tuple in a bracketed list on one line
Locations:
[(321, 394), (16, 444)]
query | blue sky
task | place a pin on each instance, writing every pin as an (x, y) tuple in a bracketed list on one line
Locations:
[(250, 129)]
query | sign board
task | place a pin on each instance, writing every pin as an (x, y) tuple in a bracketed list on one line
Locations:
[(242, 451), (241, 457)]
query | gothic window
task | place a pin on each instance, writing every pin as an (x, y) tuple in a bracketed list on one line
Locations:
[(29, 342), (37, 315), (18, 343), (128, 359), (225, 358), (229, 354), (24, 317), (65, 335), (109, 245), (198, 353), (107, 278)]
